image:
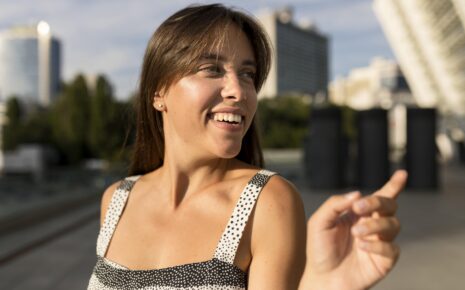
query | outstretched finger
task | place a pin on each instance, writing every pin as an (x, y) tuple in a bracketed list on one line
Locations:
[(393, 187)]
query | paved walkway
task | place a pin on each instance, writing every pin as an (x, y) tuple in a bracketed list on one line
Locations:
[(432, 241)]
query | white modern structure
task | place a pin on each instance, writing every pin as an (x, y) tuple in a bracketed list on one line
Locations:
[(300, 58), (428, 39), (381, 84), (29, 64)]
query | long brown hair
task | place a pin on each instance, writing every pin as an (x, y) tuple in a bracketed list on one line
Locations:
[(170, 55)]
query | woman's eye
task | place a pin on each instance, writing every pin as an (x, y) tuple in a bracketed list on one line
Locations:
[(212, 70), (249, 74)]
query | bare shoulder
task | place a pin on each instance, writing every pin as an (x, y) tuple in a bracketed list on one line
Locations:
[(106, 198), (281, 194), (279, 208)]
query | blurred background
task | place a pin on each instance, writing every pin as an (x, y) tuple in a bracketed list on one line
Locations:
[(358, 89)]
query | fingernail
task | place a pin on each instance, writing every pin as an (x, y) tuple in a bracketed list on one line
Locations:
[(351, 195), (402, 172), (361, 205)]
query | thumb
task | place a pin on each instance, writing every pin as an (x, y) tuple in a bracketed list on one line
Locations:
[(330, 211)]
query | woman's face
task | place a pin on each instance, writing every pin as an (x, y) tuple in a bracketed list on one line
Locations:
[(210, 110)]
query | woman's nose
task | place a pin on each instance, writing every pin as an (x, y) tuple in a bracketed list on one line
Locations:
[(232, 88)]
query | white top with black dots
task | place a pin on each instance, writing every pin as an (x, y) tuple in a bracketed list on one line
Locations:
[(219, 273)]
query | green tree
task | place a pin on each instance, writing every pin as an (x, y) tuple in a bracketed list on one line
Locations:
[(283, 121), (102, 111), (21, 128), (70, 120), (37, 127), (122, 128), (11, 133), (108, 126)]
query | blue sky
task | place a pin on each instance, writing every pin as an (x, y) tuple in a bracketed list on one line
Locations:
[(109, 37)]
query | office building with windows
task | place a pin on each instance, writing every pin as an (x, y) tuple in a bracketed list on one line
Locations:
[(300, 57), (30, 64)]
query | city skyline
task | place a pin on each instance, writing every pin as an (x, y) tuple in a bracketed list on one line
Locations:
[(110, 38)]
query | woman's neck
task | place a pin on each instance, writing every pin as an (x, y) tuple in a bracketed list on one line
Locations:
[(183, 175)]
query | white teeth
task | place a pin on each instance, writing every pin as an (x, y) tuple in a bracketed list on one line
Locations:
[(227, 117)]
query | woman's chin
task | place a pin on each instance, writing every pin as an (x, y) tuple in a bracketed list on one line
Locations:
[(228, 152)]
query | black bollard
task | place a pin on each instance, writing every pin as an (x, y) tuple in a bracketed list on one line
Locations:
[(323, 151), (421, 157), (373, 148), (461, 151)]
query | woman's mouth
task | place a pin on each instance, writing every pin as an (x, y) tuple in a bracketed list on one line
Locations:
[(227, 117), (228, 121)]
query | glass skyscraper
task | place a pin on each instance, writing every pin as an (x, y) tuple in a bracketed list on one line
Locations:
[(29, 64)]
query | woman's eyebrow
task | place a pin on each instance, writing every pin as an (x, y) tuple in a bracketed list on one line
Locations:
[(219, 57), (249, 62), (212, 56)]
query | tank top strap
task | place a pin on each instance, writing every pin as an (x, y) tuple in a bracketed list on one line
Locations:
[(229, 242), (113, 213)]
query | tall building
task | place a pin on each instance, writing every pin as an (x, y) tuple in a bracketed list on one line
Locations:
[(428, 39), (300, 58), (29, 64)]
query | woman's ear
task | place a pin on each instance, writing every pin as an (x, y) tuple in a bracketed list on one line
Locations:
[(159, 102)]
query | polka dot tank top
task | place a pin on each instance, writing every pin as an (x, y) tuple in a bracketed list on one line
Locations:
[(219, 273)]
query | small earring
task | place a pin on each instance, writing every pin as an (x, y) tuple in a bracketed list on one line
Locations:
[(160, 106)]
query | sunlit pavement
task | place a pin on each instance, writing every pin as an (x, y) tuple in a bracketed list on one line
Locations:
[(432, 241)]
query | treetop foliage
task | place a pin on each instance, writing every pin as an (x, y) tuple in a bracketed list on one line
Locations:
[(82, 123), (283, 121)]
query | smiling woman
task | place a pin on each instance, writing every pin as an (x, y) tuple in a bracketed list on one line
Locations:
[(200, 32), (198, 211)]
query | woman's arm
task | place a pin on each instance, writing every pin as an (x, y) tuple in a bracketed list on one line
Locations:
[(278, 238)]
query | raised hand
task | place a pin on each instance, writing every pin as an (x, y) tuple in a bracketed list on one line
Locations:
[(350, 241)]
